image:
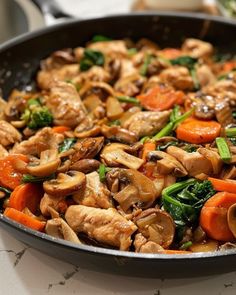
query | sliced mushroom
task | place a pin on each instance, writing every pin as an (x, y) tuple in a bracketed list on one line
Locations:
[(119, 134), (143, 245), (48, 164), (114, 108), (157, 226), (115, 154), (65, 184), (85, 165), (205, 246), (231, 218), (58, 228), (8, 134), (167, 164), (104, 225), (87, 148), (91, 131), (139, 190)]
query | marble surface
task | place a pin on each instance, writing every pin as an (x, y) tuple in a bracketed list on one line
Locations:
[(25, 271)]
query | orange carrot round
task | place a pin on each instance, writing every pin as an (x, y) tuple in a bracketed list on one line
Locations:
[(161, 98), (213, 217), (24, 219), (60, 129), (223, 185), (148, 146), (197, 131), (9, 176), (26, 195)]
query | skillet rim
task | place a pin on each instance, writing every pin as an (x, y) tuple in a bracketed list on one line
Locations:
[(98, 250)]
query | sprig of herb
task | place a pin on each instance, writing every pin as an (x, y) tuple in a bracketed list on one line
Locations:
[(91, 58)]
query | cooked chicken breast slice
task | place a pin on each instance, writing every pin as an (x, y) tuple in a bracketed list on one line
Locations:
[(8, 134), (104, 225), (146, 123), (65, 105), (195, 163), (43, 140), (114, 47), (96, 193)]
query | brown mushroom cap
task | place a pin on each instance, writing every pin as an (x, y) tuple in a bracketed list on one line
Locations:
[(140, 190), (231, 218), (65, 184), (156, 225), (58, 228), (115, 153), (48, 164)]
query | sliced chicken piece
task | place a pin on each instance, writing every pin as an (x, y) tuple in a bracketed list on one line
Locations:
[(48, 202), (65, 105), (45, 78), (111, 48), (104, 225), (95, 194), (178, 77), (195, 163), (142, 245), (130, 85), (8, 134), (44, 139), (146, 123), (205, 75), (197, 48), (95, 73)]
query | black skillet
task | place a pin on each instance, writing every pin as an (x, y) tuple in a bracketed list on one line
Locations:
[(19, 61)]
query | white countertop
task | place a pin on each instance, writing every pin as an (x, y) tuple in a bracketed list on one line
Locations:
[(25, 271)]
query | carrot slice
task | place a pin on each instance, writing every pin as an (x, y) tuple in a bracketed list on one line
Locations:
[(60, 129), (161, 98), (148, 147), (197, 131), (223, 185), (24, 219), (26, 195), (213, 216), (170, 53), (229, 66), (9, 176)]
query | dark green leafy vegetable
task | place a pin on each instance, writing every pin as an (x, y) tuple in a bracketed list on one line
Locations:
[(34, 179), (91, 58), (166, 145), (234, 114), (184, 200), (100, 38), (223, 149), (232, 140), (190, 148), (67, 144), (36, 115), (222, 57), (190, 63)]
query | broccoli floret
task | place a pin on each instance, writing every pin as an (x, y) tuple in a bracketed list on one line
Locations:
[(36, 116)]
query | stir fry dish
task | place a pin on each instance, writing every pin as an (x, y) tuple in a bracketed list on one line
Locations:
[(126, 146)]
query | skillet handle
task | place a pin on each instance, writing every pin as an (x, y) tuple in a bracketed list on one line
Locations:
[(52, 11)]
